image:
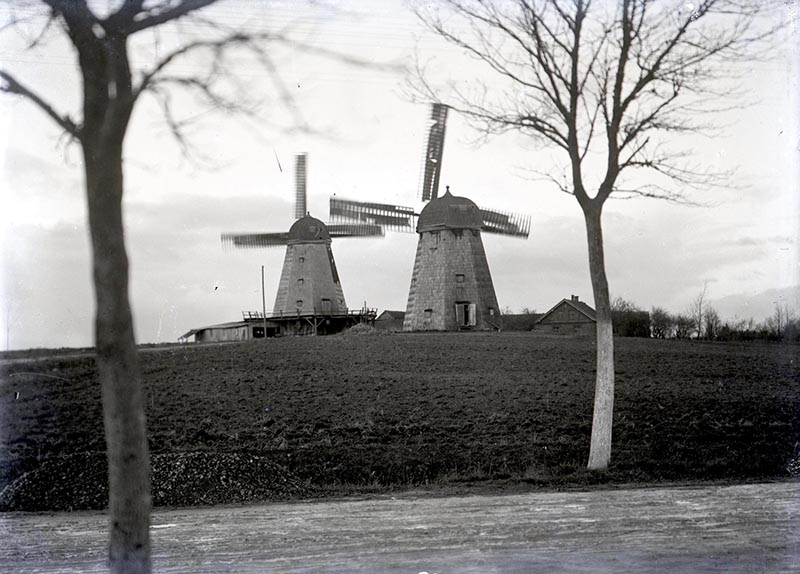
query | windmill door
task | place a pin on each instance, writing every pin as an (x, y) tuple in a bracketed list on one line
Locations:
[(466, 314)]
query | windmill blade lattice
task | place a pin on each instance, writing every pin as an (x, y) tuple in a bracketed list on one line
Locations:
[(434, 148), (393, 217), (300, 168), (355, 230), (502, 223), (254, 240)]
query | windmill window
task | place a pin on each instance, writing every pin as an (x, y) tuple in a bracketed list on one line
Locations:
[(299, 303), (491, 311), (301, 259), (459, 277), (428, 313), (300, 281)]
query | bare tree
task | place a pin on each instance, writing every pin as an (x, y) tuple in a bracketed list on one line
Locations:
[(780, 320), (621, 305), (696, 310), (684, 326), (712, 323), (599, 80), (100, 34), (660, 323)]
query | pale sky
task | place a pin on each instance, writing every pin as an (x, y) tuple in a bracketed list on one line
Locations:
[(369, 148)]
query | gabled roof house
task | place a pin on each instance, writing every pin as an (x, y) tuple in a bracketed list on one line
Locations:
[(568, 317)]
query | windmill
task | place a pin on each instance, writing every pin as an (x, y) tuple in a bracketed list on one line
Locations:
[(451, 285), (309, 286)]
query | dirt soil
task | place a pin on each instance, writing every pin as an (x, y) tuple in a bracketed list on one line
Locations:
[(742, 529), (319, 416)]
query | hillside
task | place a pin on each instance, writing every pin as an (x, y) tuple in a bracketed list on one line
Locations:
[(298, 417)]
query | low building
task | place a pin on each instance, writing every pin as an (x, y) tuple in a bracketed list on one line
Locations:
[(568, 317), (254, 326), (390, 321), (243, 330)]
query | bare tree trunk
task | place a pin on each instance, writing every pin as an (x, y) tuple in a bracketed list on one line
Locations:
[(600, 449), (118, 366), (108, 102)]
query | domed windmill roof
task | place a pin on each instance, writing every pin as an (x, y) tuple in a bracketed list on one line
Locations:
[(449, 212), (309, 228)]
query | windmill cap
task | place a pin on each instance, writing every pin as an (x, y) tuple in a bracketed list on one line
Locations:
[(449, 212), (309, 228)]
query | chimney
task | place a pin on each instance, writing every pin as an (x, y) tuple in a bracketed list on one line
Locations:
[(574, 297)]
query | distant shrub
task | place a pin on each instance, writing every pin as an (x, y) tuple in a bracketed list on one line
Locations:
[(363, 329), (631, 323)]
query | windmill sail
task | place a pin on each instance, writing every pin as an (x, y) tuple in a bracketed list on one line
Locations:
[(355, 230), (301, 161), (503, 223), (394, 217), (433, 153), (254, 240)]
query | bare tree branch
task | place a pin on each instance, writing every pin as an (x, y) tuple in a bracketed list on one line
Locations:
[(12, 86), (157, 15)]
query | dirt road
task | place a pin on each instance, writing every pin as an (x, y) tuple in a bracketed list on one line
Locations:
[(730, 529)]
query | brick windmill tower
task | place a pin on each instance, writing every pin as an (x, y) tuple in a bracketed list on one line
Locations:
[(451, 285), (309, 293)]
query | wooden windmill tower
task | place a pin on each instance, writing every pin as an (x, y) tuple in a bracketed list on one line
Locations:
[(309, 287), (451, 285)]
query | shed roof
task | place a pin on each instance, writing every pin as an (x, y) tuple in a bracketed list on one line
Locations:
[(576, 304), (389, 315), (231, 325)]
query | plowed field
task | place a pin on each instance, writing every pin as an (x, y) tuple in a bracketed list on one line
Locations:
[(296, 417)]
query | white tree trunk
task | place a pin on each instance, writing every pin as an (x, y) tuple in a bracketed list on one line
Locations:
[(602, 420)]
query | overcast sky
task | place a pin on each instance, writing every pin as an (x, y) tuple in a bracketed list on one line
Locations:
[(368, 147)]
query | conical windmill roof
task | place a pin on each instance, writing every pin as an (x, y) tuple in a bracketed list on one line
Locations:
[(309, 228), (449, 212)]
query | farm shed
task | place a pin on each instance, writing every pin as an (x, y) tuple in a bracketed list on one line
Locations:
[(390, 321), (568, 317), (236, 331), (252, 325)]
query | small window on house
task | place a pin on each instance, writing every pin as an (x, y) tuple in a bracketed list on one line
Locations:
[(300, 281), (459, 277), (577, 328), (299, 303), (428, 313), (555, 328)]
